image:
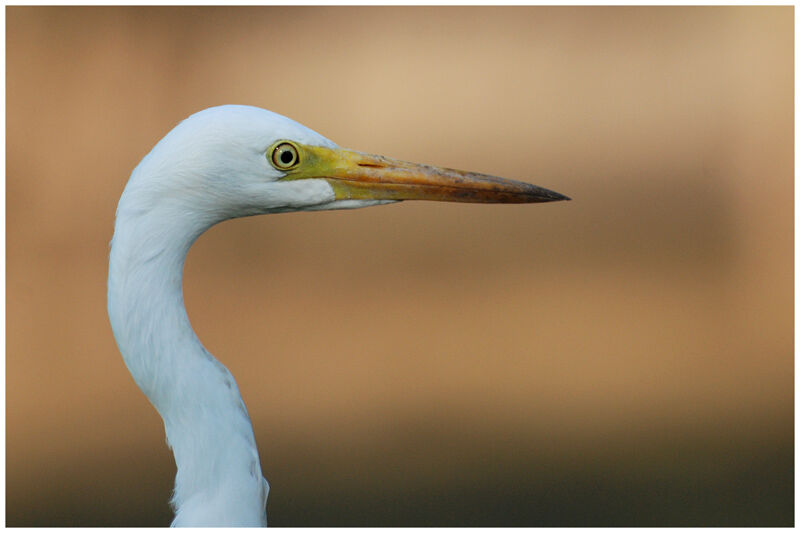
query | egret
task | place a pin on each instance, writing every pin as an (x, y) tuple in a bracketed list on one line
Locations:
[(222, 163)]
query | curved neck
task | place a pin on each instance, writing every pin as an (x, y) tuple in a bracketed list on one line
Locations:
[(219, 480)]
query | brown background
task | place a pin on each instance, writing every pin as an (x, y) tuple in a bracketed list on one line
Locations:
[(622, 359)]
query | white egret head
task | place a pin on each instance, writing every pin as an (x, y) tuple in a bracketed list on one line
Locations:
[(233, 161)]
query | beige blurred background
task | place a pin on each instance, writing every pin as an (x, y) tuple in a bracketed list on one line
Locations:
[(622, 359)]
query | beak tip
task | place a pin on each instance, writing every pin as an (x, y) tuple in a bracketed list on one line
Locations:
[(546, 195)]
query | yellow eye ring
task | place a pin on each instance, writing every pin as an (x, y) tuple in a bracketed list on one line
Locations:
[(285, 156)]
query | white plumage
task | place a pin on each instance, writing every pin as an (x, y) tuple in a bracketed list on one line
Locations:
[(220, 164)]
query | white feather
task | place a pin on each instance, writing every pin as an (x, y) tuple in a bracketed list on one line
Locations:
[(210, 168)]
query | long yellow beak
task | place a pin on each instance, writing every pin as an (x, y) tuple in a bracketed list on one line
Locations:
[(358, 176)]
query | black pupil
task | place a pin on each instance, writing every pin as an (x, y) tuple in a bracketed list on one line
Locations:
[(286, 157)]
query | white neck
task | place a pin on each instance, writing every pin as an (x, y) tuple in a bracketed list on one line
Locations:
[(219, 480)]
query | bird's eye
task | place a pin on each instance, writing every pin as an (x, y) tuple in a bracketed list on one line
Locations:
[(285, 156)]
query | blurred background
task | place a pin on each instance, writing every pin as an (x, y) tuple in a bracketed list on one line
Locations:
[(622, 359)]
